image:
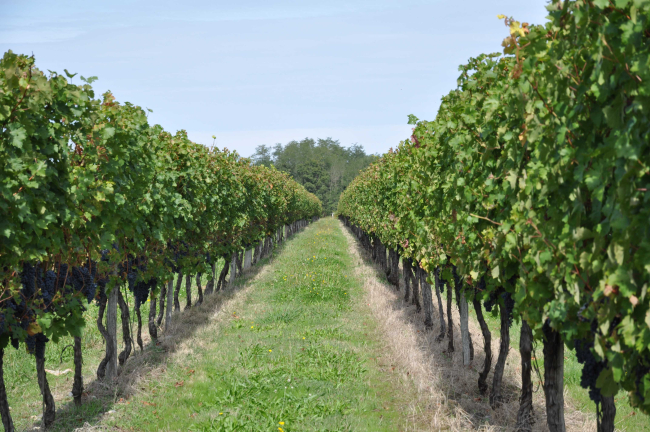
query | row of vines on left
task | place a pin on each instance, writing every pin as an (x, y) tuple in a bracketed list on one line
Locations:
[(93, 198)]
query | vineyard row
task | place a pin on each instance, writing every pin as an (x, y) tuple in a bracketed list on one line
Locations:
[(94, 201), (530, 193)]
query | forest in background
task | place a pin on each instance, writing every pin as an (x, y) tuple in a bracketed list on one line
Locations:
[(323, 166)]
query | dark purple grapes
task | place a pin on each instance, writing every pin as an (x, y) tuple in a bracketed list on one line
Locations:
[(141, 290), (101, 291), (12, 305), (490, 302), (591, 368), (62, 277), (49, 286), (131, 278), (30, 343), (82, 281), (104, 257), (640, 373), (177, 252), (581, 311), (28, 280), (440, 280)]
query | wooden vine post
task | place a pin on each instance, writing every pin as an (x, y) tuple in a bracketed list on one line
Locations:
[(111, 331), (554, 379), (7, 421), (170, 299), (78, 383), (464, 328)]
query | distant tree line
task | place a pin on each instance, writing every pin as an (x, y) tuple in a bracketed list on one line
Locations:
[(323, 166)]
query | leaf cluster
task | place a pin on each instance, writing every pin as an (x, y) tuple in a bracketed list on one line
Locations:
[(88, 184), (534, 176)]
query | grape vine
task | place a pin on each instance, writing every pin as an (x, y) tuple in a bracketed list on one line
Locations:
[(94, 198), (535, 171)]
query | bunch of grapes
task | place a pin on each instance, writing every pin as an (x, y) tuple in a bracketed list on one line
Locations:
[(82, 281), (104, 257), (173, 252), (9, 310), (440, 280), (490, 301), (126, 266), (581, 311), (641, 372), (62, 277), (24, 322), (591, 367), (28, 279), (49, 286), (36, 345), (179, 252), (101, 289), (141, 290), (480, 287), (131, 278), (30, 343), (100, 282)]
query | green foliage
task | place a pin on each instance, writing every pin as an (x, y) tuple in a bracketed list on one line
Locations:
[(89, 183), (534, 175), (323, 167)]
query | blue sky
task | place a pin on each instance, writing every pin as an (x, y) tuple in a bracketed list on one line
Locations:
[(260, 72)]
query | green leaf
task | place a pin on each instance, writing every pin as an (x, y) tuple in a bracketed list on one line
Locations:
[(18, 137), (69, 74), (89, 80), (108, 132), (495, 272), (45, 321), (606, 383), (412, 119)]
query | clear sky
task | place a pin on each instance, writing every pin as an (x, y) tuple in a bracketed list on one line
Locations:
[(265, 71)]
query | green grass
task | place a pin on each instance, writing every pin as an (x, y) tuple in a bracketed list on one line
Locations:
[(297, 355), (20, 370), (627, 418)]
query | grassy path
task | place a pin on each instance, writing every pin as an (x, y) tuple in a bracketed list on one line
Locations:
[(314, 340), (296, 352)]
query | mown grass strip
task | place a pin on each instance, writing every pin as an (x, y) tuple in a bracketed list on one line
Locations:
[(297, 356)]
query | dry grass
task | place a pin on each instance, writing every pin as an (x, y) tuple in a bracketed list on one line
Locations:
[(448, 397)]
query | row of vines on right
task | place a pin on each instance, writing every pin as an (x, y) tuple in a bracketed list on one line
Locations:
[(529, 192)]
